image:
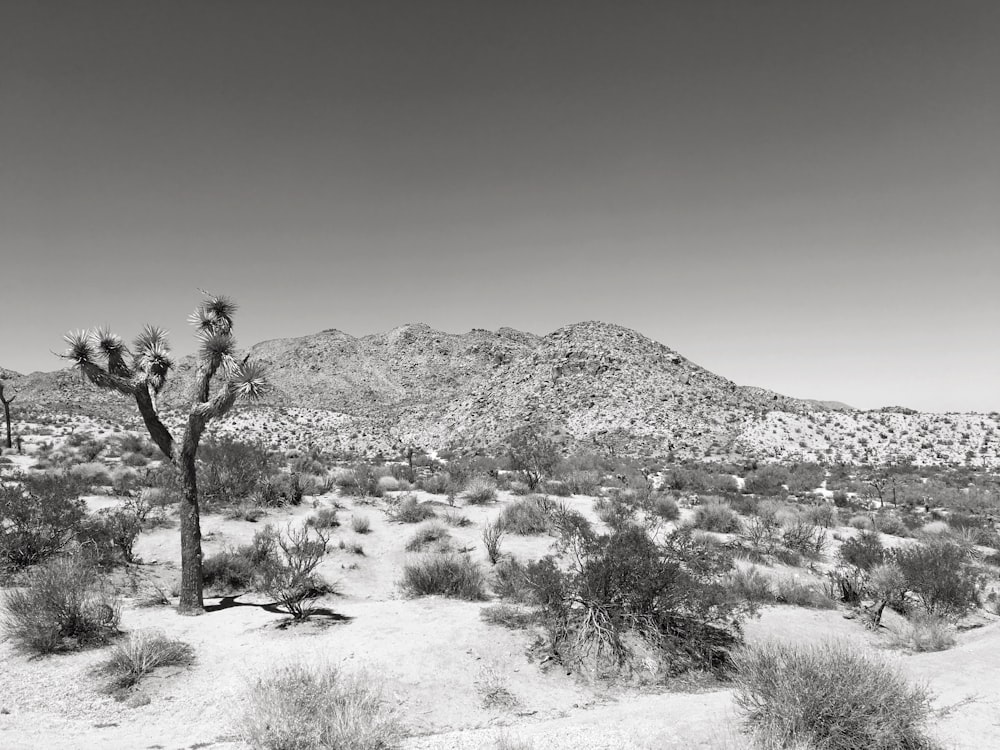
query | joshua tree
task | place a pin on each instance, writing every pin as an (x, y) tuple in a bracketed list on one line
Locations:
[(6, 411), (141, 374)]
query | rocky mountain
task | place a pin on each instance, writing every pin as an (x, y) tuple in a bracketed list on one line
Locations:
[(592, 384)]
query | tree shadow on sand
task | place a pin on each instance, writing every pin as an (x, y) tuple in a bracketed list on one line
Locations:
[(324, 613)]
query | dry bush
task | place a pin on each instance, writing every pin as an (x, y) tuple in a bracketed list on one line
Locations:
[(862, 522), (62, 606), (141, 653), (454, 518), (716, 516), (410, 510), (493, 534), (479, 491), (494, 691), (452, 575), (926, 632), (507, 615), (429, 532), (829, 697), (665, 508), (308, 707), (750, 584), (360, 524), (293, 582), (789, 589), (324, 518), (824, 515), (532, 515)]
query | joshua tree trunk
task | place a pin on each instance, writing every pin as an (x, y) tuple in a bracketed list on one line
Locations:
[(191, 602), (6, 413)]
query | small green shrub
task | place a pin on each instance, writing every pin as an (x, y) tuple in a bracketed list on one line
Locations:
[(717, 517), (507, 616), (452, 575), (532, 515), (308, 707), (665, 508), (244, 568), (360, 524), (510, 581), (793, 590), (828, 697), (750, 584), (429, 532), (864, 551), (324, 518), (926, 632), (62, 606), (141, 653), (40, 514), (479, 491), (943, 574), (410, 510)]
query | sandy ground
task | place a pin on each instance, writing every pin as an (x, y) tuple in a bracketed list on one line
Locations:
[(431, 653)]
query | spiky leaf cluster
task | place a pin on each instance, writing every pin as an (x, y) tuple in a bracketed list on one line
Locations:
[(148, 362)]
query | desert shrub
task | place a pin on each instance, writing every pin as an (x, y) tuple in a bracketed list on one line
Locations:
[(141, 653), (429, 532), (63, 605), (410, 510), (942, 573), (519, 489), (293, 581), (452, 575), (892, 525), (310, 707), (355, 548), (532, 515), (804, 478), (821, 515), (243, 568), (864, 551), (454, 518), (136, 460), (768, 480), (579, 482), (230, 471), (665, 508), (436, 484), (493, 534), (510, 580), (324, 518), (789, 589), (388, 484), (862, 522), (926, 632), (750, 584), (360, 524), (246, 511), (614, 589), (479, 491), (802, 537), (118, 528), (507, 615), (935, 528), (361, 481), (614, 511), (532, 455), (281, 489), (92, 473), (716, 516), (40, 514), (557, 488), (829, 697)]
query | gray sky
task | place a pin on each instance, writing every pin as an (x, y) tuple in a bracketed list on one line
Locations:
[(799, 195)]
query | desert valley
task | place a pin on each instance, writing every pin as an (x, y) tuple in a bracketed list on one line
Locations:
[(491, 540)]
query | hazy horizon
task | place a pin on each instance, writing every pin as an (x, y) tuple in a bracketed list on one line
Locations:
[(797, 196)]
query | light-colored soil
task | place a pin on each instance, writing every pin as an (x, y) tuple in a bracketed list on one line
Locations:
[(432, 654)]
